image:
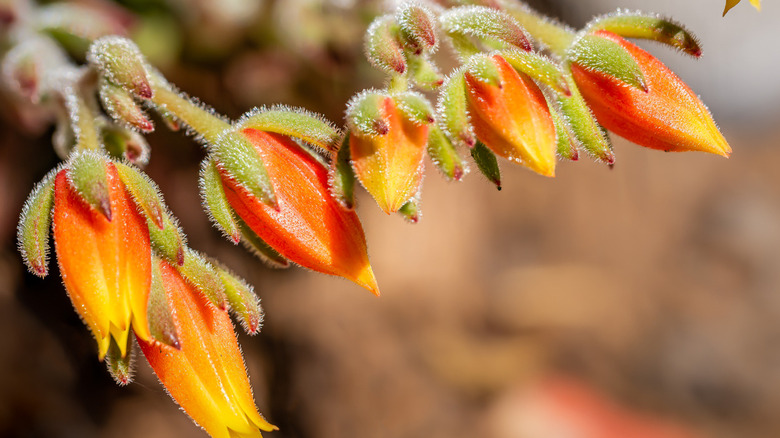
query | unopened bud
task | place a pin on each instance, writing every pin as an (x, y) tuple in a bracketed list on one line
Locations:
[(120, 105), (383, 49), (485, 23), (120, 61), (418, 27), (24, 66)]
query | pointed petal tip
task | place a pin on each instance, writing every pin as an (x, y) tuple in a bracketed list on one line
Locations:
[(367, 280)]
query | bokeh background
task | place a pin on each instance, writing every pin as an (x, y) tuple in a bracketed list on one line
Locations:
[(641, 300)]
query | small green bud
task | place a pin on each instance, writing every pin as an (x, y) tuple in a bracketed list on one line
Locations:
[(120, 61), (444, 155), (120, 105), (651, 27), (243, 301), (383, 48), (453, 116), (418, 28)]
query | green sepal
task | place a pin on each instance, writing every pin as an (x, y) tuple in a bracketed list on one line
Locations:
[(605, 56), (484, 69), (539, 68), (120, 105), (565, 139), (365, 115), (444, 155), (144, 191), (216, 202), (239, 159), (650, 27), (383, 48), (424, 72), (169, 241), (258, 247), (417, 27), (341, 176), (120, 61), (487, 163), (161, 324), (583, 125), (88, 175), (293, 122), (487, 24), (34, 225), (244, 303), (120, 367), (411, 210), (414, 107), (202, 275), (451, 109)]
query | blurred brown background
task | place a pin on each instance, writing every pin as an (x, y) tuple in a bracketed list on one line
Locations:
[(656, 284)]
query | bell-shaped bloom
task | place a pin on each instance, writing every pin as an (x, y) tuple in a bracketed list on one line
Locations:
[(308, 226), (206, 375), (105, 264), (512, 118), (390, 166), (668, 116)]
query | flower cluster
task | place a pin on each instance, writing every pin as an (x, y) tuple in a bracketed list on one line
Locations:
[(281, 180)]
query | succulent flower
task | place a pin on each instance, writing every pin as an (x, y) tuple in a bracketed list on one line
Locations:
[(509, 114), (387, 146), (660, 113), (306, 225), (205, 374)]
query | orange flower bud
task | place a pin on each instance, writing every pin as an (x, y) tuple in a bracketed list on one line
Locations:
[(512, 118), (308, 226), (105, 264), (390, 165), (668, 116), (206, 375)]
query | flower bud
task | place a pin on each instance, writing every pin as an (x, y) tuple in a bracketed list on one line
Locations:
[(105, 264), (120, 61), (307, 225), (383, 49), (120, 105), (668, 116), (206, 374), (512, 117), (390, 165), (417, 27)]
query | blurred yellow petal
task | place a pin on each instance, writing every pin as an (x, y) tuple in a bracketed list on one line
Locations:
[(731, 3)]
